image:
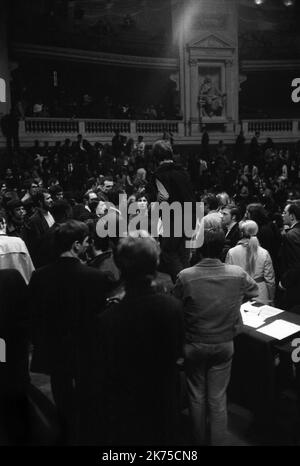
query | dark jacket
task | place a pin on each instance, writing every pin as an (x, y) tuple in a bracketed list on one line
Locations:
[(231, 240), (140, 341), (65, 298), (36, 227), (14, 330), (176, 181), (289, 254)]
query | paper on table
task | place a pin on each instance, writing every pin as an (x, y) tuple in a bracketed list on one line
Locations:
[(249, 308), (280, 329), (252, 320), (269, 311)]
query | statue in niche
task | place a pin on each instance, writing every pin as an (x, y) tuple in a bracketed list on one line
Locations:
[(210, 99)]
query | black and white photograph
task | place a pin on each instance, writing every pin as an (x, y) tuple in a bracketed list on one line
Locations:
[(149, 226)]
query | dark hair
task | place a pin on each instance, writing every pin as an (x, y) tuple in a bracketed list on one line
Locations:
[(69, 232), (234, 211), (258, 214), (212, 201), (55, 189), (61, 211), (213, 245), (100, 243), (39, 196), (137, 258), (140, 195), (113, 195), (295, 210), (162, 150)]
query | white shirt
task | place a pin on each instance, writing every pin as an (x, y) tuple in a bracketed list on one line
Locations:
[(14, 255), (49, 219)]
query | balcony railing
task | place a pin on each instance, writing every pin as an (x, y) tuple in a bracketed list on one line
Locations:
[(59, 126), (53, 129), (270, 126)]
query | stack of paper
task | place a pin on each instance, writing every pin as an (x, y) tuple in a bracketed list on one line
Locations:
[(269, 311), (280, 329), (252, 320)]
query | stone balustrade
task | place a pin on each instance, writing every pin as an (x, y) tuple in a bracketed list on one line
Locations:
[(54, 129)]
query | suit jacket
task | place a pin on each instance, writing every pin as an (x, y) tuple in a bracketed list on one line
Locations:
[(289, 254), (36, 228), (231, 240), (65, 298)]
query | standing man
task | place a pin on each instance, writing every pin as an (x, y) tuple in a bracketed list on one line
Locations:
[(289, 254), (171, 183), (230, 219), (65, 298), (212, 293), (38, 224)]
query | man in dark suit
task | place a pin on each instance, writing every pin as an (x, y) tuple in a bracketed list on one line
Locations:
[(65, 298), (230, 219), (38, 224), (290, 249)]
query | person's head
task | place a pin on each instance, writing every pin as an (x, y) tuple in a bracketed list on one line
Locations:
[(61, 211), (57, 192), (162, 150), (142, 202), (230, 214), (53, 181), (249, 230), (97, 244), (213, 237), (257, 213), (291, 214), (137, 257), (43, 200), (16, 210), (223, 198), (244, 192), (106, 184), (32, 187), (72, 237), (211, 203)]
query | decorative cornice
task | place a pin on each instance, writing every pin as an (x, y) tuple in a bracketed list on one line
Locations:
[(86, 56), (262, 65)]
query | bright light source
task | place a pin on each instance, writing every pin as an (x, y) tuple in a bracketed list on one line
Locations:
[(288, 2), (259, 2)]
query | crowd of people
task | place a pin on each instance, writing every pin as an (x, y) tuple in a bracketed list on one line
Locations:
[(116, 319)]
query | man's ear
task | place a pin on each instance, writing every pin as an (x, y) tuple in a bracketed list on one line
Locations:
[(76, 246)]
